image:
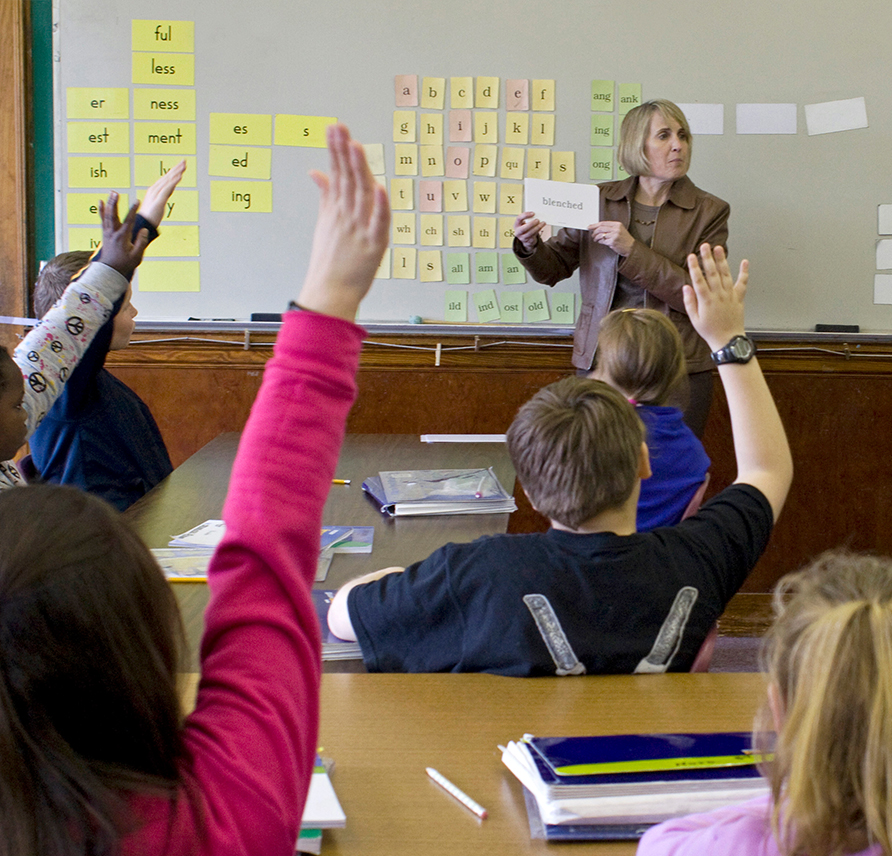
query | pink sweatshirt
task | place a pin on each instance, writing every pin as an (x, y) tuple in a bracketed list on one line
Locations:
[(737, 830), (251, 740)]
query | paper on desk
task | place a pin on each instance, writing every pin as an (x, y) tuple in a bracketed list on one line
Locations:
[(184, 564), (207, 534), (562, 203)]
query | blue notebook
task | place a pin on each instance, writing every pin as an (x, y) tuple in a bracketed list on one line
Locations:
[(630, 758)]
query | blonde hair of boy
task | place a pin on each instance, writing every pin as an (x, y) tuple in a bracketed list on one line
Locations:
[(634, 131), (829, 657), (640, 352)]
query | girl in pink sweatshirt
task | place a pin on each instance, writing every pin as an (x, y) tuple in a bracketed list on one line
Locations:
[(94, 755)]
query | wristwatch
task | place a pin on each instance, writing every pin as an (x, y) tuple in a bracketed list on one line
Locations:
[(740, 349)]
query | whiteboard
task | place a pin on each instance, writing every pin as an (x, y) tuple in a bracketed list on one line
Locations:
[(803, 207)]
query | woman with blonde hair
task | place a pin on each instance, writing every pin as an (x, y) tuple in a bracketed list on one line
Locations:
[(635, 255), (829, 663), (641, 354)]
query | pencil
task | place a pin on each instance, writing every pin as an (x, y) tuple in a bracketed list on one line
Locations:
[(340, 481), (459, 794)]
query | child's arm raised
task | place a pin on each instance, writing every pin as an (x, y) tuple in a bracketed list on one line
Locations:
[(52, 349), (714, 304), (252, 738)]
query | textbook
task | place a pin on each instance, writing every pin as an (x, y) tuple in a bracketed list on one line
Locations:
[(333, 647), (209, 534), (457, 491), (187, 556), (322, 809), (633, 779)]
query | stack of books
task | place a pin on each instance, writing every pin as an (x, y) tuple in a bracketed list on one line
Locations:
[(321, 811), (594, 788), (187, 556), (415, 492)]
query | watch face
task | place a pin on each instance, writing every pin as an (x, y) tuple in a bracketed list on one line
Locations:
[(741, 348)]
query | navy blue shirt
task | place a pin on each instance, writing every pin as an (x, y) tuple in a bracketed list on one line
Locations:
[(100, 435), (560, 603)]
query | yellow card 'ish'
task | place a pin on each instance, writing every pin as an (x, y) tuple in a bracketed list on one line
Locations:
[(174, 36), (168, 276), (252, 197), (107, 173), (306, 131), (171, 69), (83, 103), (241, 129)]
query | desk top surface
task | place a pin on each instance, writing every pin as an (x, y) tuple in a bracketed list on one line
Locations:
[(195, 492), (383, 730)]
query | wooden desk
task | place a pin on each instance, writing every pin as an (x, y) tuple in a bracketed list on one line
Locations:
[(195, 491), (383, 730)]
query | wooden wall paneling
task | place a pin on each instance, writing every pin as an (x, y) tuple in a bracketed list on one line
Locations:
[(13, 164), (837, 412)]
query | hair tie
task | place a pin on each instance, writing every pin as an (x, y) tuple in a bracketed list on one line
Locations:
[(633, 402)]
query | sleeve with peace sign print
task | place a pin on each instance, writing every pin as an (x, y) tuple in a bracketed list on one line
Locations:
[(49, 353)]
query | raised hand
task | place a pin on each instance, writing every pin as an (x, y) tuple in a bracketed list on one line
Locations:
[(118, 250), (352, 230), (714, 302), (154, 202)]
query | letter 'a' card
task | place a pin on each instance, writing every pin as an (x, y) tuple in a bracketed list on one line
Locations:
[(561, 203)]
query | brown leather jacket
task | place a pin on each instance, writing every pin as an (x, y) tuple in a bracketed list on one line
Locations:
[(688, 218)]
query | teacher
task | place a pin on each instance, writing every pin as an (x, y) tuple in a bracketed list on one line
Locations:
[(635, 256)]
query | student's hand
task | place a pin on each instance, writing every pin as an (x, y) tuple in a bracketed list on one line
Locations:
[(154, 202), (352, 231), (614, 235), (118, 250), (714, 302), (527, 229)]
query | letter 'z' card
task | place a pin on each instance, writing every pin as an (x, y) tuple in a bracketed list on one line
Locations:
[(560, 203)]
